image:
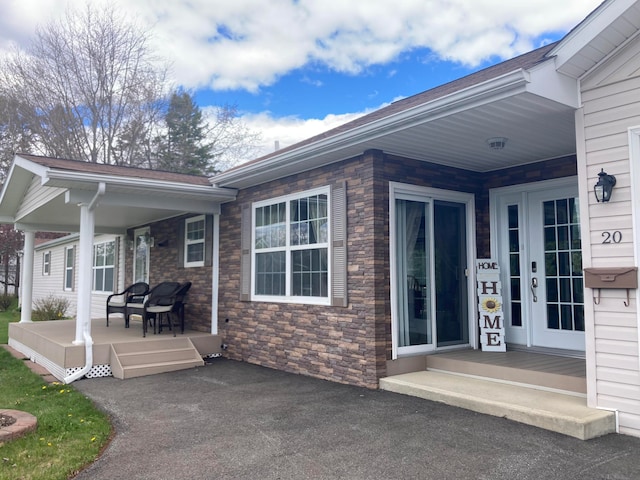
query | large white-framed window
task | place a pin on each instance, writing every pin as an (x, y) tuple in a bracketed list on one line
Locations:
[(46, 262), (194, 241), (69, 264), (104, 258), (290, 250)]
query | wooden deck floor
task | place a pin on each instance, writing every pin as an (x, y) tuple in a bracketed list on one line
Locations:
[(51, 343), (574, 367)]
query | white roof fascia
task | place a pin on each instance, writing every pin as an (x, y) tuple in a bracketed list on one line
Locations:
[(66, 179), (603, 16), (506, 85), (33, 167), (547, 82)]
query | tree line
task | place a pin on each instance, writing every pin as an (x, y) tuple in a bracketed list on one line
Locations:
[(88, 87)]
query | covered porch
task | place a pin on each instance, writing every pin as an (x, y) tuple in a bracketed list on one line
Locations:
[(117, 351), (45, 194)]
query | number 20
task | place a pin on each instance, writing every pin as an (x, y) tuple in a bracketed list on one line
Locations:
[(612, 237)]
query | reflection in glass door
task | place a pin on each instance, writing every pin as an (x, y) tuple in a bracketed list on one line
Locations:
[(450, 264), (413, 265), (141, 255), (431, 283)]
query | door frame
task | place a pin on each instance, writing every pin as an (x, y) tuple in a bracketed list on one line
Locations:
[(432, 194), (498, 199)]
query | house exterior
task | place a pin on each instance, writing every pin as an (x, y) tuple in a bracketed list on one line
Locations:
[(354, 254), (55, 262)]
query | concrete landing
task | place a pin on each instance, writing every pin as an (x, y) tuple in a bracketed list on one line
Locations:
[(566, 414)]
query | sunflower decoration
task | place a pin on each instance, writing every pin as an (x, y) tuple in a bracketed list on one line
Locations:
[(491, 305)]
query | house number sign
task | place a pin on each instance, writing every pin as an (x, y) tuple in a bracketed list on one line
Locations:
[(611, 237)]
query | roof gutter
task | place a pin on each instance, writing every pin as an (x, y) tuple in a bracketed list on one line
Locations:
[(503, 86), (59, 178)]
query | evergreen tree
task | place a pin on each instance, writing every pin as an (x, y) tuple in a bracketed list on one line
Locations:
[(184, 148)]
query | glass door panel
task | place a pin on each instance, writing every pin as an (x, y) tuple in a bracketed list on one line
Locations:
[(557, 302), (141, 255), (413, 273), (450, 260)]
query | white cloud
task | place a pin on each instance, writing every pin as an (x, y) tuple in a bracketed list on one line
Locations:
[(250, 43), (290, 130)]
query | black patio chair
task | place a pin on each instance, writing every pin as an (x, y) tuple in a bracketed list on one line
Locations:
[(159, 298), (176, 310), (117, 302)]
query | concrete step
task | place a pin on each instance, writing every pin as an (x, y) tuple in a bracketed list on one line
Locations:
[(135, 359), (557, 412)]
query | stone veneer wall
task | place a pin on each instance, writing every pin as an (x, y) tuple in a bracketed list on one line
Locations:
[(165, 266), (344, 344)]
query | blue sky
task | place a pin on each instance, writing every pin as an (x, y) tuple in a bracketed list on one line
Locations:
[(295, 68)]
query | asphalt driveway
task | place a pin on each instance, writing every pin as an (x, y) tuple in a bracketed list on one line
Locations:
[(231, 420)]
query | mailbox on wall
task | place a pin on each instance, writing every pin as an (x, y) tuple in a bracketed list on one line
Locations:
[(624, 278)]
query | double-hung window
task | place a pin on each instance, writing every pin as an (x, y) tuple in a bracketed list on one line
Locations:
[(194, 239), (46, 263), (104, 257), (69, 261), (291, 248)]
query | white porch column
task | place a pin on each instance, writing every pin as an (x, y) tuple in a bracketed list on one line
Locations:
[(215, 273), (85, 270), (26, 283)]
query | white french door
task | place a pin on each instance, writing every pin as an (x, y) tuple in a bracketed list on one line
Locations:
[(539, 248)]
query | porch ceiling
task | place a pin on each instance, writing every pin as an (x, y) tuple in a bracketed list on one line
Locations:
[(537, 128)]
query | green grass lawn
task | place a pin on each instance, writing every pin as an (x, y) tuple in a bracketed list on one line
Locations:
[(71, 430)]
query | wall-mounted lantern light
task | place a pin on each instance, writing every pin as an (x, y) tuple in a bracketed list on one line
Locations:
[(604, 187)]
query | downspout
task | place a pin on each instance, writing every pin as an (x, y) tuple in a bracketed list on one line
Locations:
[(86, 328)]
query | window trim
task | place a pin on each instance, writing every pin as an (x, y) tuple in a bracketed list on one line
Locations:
[(288, 248), (187, 242), (46, 263), (67, 268), (103, 267)]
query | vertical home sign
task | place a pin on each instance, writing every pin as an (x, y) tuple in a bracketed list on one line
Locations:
[(491, 319)]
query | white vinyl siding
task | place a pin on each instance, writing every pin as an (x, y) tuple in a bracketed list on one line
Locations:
[(37, 195), (53, 284), (611, 106)]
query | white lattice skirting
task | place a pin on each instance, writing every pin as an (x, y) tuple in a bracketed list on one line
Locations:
[(56, 370)]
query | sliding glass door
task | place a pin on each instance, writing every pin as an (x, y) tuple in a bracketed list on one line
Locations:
[(430, 251)]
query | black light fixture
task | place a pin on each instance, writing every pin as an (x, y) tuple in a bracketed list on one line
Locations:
[(605, 185)]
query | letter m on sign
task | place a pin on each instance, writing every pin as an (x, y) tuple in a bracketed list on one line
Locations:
[(492, 323)]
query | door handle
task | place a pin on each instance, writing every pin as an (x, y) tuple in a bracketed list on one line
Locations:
[(534, 285)]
